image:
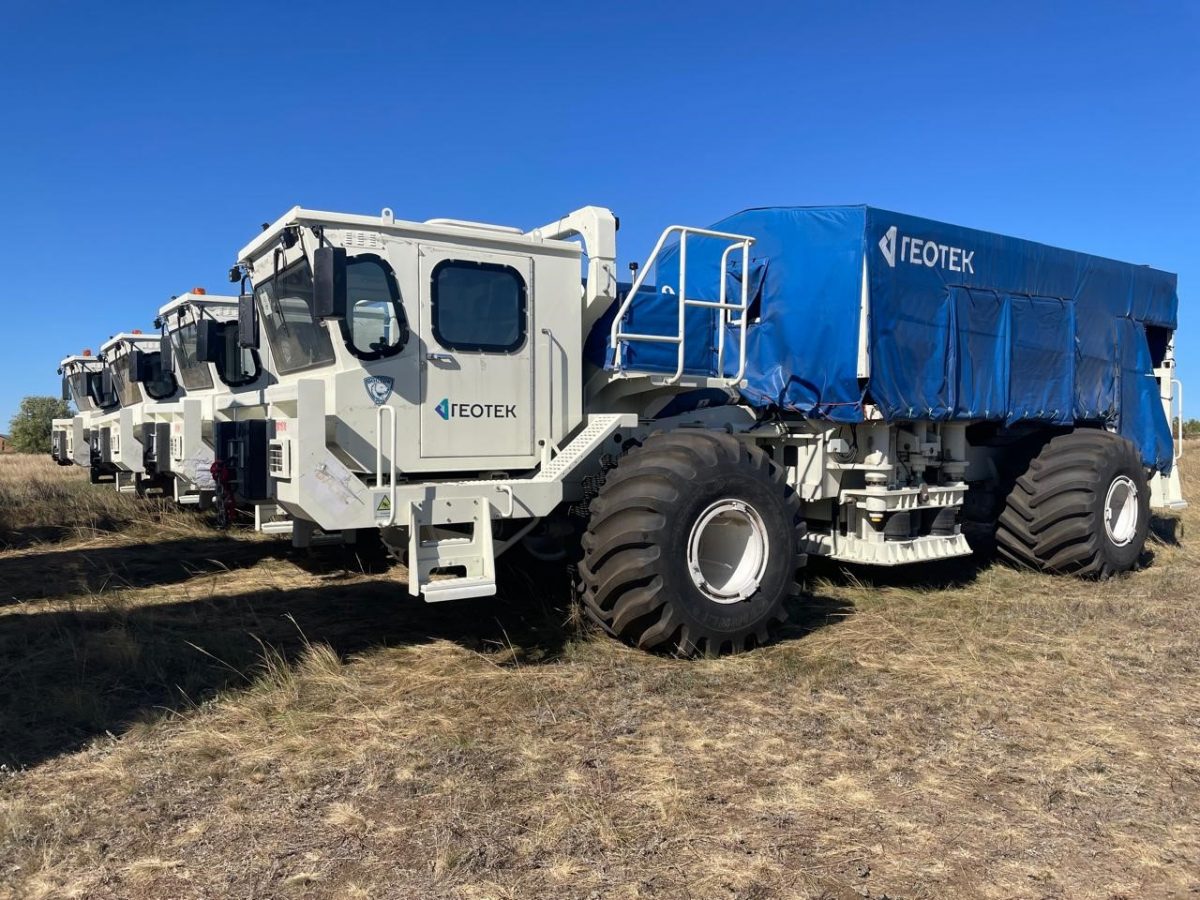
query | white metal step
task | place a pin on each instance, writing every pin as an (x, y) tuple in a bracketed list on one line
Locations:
[(593, 434), (432, 545), (458, 589)]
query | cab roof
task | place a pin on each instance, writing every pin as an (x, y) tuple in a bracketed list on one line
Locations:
[(196, 297), (80, 358), (128, 337), (450, 230)]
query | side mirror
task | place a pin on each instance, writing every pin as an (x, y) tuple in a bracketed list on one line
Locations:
[(107, 394), (247, 322), (329, 283), (166, 357), (66, 389), (208, 341), (140, 367)]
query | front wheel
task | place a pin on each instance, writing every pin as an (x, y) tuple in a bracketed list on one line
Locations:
[(692, 546)]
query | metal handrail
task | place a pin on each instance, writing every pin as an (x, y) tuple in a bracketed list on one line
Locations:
[(744, 306), (1177, 392), (617, 336), (379, 416)]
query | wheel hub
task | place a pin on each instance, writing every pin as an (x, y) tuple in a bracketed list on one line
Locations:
[(727, 551), (1121, 510)]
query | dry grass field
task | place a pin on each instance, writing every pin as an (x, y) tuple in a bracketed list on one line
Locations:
[(186, 713)]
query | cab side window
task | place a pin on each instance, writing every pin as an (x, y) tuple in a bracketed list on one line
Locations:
[(478, 306), (375, 325), (159, 383), (238, 366)]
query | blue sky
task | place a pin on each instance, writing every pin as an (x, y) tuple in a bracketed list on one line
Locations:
[(143, 143)]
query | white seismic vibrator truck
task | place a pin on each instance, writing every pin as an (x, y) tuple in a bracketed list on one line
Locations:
[(81, 375), (836, 381)]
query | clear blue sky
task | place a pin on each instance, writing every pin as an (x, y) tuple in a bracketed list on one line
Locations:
[(143, 143)]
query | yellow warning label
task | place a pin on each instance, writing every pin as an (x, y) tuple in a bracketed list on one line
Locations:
[(384, 505)]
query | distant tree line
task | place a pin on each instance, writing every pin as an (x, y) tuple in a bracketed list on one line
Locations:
[(30, 427)]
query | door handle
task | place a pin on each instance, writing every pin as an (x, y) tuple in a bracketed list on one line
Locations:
[(439, 357)]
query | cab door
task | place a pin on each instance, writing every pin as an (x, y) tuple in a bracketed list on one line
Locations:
[(477, 394)]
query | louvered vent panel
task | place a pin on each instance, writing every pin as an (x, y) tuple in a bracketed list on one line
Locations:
[(363, 240)]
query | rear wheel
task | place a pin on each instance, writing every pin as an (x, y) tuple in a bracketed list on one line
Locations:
[(1082, 507), (692, 545)]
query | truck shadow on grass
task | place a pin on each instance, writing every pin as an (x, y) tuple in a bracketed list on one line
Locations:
[(939, 574), (23, 538), (69, 676), (77, 525), (50, 575), (1167, 530)]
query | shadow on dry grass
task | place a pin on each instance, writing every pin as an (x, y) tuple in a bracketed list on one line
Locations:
[(42, 503), (292, 727), (107, 568), (69, 675)]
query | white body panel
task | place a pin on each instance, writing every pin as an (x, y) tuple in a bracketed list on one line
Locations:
[(190, 418), (423, 442), (475, 402), (1166, 492)]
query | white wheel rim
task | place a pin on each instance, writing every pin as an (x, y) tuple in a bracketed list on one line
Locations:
[(1121, 510), (727, 552)]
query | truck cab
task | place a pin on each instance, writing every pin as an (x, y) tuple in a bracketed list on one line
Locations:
[(133, 374), (218, 380), (80, 385), (410, 351)]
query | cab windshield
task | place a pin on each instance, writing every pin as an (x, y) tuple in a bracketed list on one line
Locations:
[(194, 374), (123, 383), (298, 340), (236, 367), (77, 384)]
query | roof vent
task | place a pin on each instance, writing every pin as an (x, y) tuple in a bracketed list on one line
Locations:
[(366, 240)]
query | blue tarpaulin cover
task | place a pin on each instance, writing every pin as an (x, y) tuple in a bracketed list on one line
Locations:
[(961, 324)]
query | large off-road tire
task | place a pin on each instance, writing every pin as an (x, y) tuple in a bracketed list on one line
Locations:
[(1081, 508), (692, 546)]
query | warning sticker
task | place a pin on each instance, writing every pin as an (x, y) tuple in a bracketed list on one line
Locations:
[(384, 507)]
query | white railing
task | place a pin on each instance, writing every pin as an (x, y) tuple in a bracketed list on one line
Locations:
[(390, 412), (617, 337), (1177, 397)]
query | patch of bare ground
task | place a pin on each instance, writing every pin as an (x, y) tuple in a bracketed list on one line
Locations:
[(278, 726)]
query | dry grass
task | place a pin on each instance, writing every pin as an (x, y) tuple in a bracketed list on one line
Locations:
[(41, 502), (270, 725)]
